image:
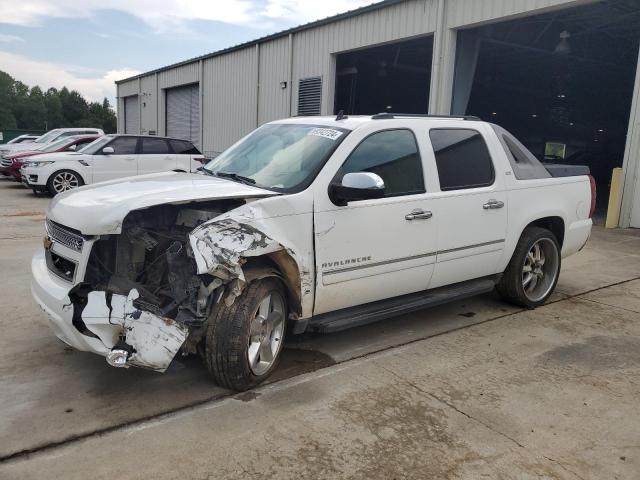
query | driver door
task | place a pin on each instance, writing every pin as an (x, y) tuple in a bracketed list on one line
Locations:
[(123, 162), (380, 248)]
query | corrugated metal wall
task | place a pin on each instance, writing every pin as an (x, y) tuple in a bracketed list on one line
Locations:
[(274, 69), (230, 97), (231, 104), (468, 12), (313, 49), (148, 106)]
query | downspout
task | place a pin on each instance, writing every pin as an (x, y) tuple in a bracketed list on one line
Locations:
[(257, 85), (438, 42), (201, 102), (291, 74)]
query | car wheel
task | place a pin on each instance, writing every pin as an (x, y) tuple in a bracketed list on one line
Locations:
[(534, 268), (244, 340), (63, 181)]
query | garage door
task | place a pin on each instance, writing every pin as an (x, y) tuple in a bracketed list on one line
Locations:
[(131, 115), (183, 113)]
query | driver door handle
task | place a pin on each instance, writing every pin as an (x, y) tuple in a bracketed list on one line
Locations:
[(418, 214), (493, 204)]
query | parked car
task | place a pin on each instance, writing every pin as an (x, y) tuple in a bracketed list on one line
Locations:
[(22, 139), (108, 158), (50, 136), (12, 162), (307, 224)]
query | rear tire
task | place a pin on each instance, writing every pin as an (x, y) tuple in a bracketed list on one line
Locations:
[(244, 340), (63, 181), (534, 269)]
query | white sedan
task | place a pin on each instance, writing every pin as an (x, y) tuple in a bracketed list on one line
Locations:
[(110, 157)]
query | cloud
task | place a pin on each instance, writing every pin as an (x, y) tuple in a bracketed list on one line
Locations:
[(164, 15), (94, 86), (10, 38)]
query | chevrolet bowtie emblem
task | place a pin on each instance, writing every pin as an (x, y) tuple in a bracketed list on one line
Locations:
[(46, 241)]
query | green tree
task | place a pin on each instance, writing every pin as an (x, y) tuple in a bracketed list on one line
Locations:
[(31, 109), (7, 96), (55, 118)]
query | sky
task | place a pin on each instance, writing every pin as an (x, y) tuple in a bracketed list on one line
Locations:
[(86, 45)]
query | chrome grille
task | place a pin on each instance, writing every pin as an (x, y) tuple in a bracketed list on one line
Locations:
[(62, 235), (6, 162)]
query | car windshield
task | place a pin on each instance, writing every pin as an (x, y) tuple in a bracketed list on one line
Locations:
[(282, 157), (47, 137), (95, 146), (53, 146)]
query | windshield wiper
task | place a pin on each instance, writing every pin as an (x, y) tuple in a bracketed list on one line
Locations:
[(234, 176)]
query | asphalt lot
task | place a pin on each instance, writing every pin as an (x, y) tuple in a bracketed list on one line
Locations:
[(475, 389)]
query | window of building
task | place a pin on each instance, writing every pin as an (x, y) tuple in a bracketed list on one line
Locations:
[(392, 154), (462, 158)]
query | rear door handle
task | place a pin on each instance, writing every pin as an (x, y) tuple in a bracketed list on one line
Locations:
[(129, 158), (493, 204), (418, 214)]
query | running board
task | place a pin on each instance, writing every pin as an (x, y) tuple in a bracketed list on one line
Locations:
[(382, 309)]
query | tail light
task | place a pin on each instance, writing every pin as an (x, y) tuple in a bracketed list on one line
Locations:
[(592, 184)]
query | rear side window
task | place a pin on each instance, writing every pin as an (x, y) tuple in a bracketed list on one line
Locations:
[(392, 154), (462, 158), (182, 147), (154, 146), (124, 145)]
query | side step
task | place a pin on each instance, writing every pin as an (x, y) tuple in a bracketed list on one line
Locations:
[(380, 310)]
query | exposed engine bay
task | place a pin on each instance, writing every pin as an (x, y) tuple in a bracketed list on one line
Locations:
[(150, 267)]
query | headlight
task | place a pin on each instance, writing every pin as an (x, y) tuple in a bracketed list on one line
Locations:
[(35, 164)]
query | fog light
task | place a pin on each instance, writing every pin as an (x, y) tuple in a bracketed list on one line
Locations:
[(118, 358)]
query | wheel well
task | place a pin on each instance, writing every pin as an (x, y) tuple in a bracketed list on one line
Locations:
[(553, 224), (282, 265)]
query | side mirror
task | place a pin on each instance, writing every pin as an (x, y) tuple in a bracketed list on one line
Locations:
[(108, 150), (72, 148), (356, 186)]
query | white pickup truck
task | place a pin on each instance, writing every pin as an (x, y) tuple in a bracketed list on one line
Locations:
[(307, 224)]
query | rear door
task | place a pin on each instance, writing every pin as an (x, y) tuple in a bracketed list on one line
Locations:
[(155, 156), (123, 162), (188, 157), (471, 206)]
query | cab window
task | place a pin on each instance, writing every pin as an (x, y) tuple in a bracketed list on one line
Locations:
[(394, 156), (462, 158)]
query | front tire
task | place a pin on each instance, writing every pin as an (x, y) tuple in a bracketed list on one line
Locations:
[(63, 181), (534, 268), (244, 340)]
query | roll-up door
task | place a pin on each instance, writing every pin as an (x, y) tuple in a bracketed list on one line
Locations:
[(131, 115), (183, 113)]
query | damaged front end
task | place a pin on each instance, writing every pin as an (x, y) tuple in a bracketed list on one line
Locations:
[(143, 295)]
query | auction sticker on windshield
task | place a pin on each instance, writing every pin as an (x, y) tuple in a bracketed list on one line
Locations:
[(329, 133)]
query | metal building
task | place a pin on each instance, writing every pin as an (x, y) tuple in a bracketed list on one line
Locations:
[(561, 74)]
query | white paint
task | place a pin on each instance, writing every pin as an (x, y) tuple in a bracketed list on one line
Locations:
[(155, 340)]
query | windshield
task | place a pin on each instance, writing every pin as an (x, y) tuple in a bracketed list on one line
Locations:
[(283, 157), (53, 146), (47, 137), (96, 145)]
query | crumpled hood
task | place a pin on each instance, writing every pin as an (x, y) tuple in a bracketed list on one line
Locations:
[(100, 209)]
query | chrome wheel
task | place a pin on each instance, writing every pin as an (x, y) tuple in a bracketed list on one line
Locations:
[(266, 333), (64, 181), (540, 269)]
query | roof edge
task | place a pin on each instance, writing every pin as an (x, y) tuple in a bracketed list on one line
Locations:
[(283, 33)]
